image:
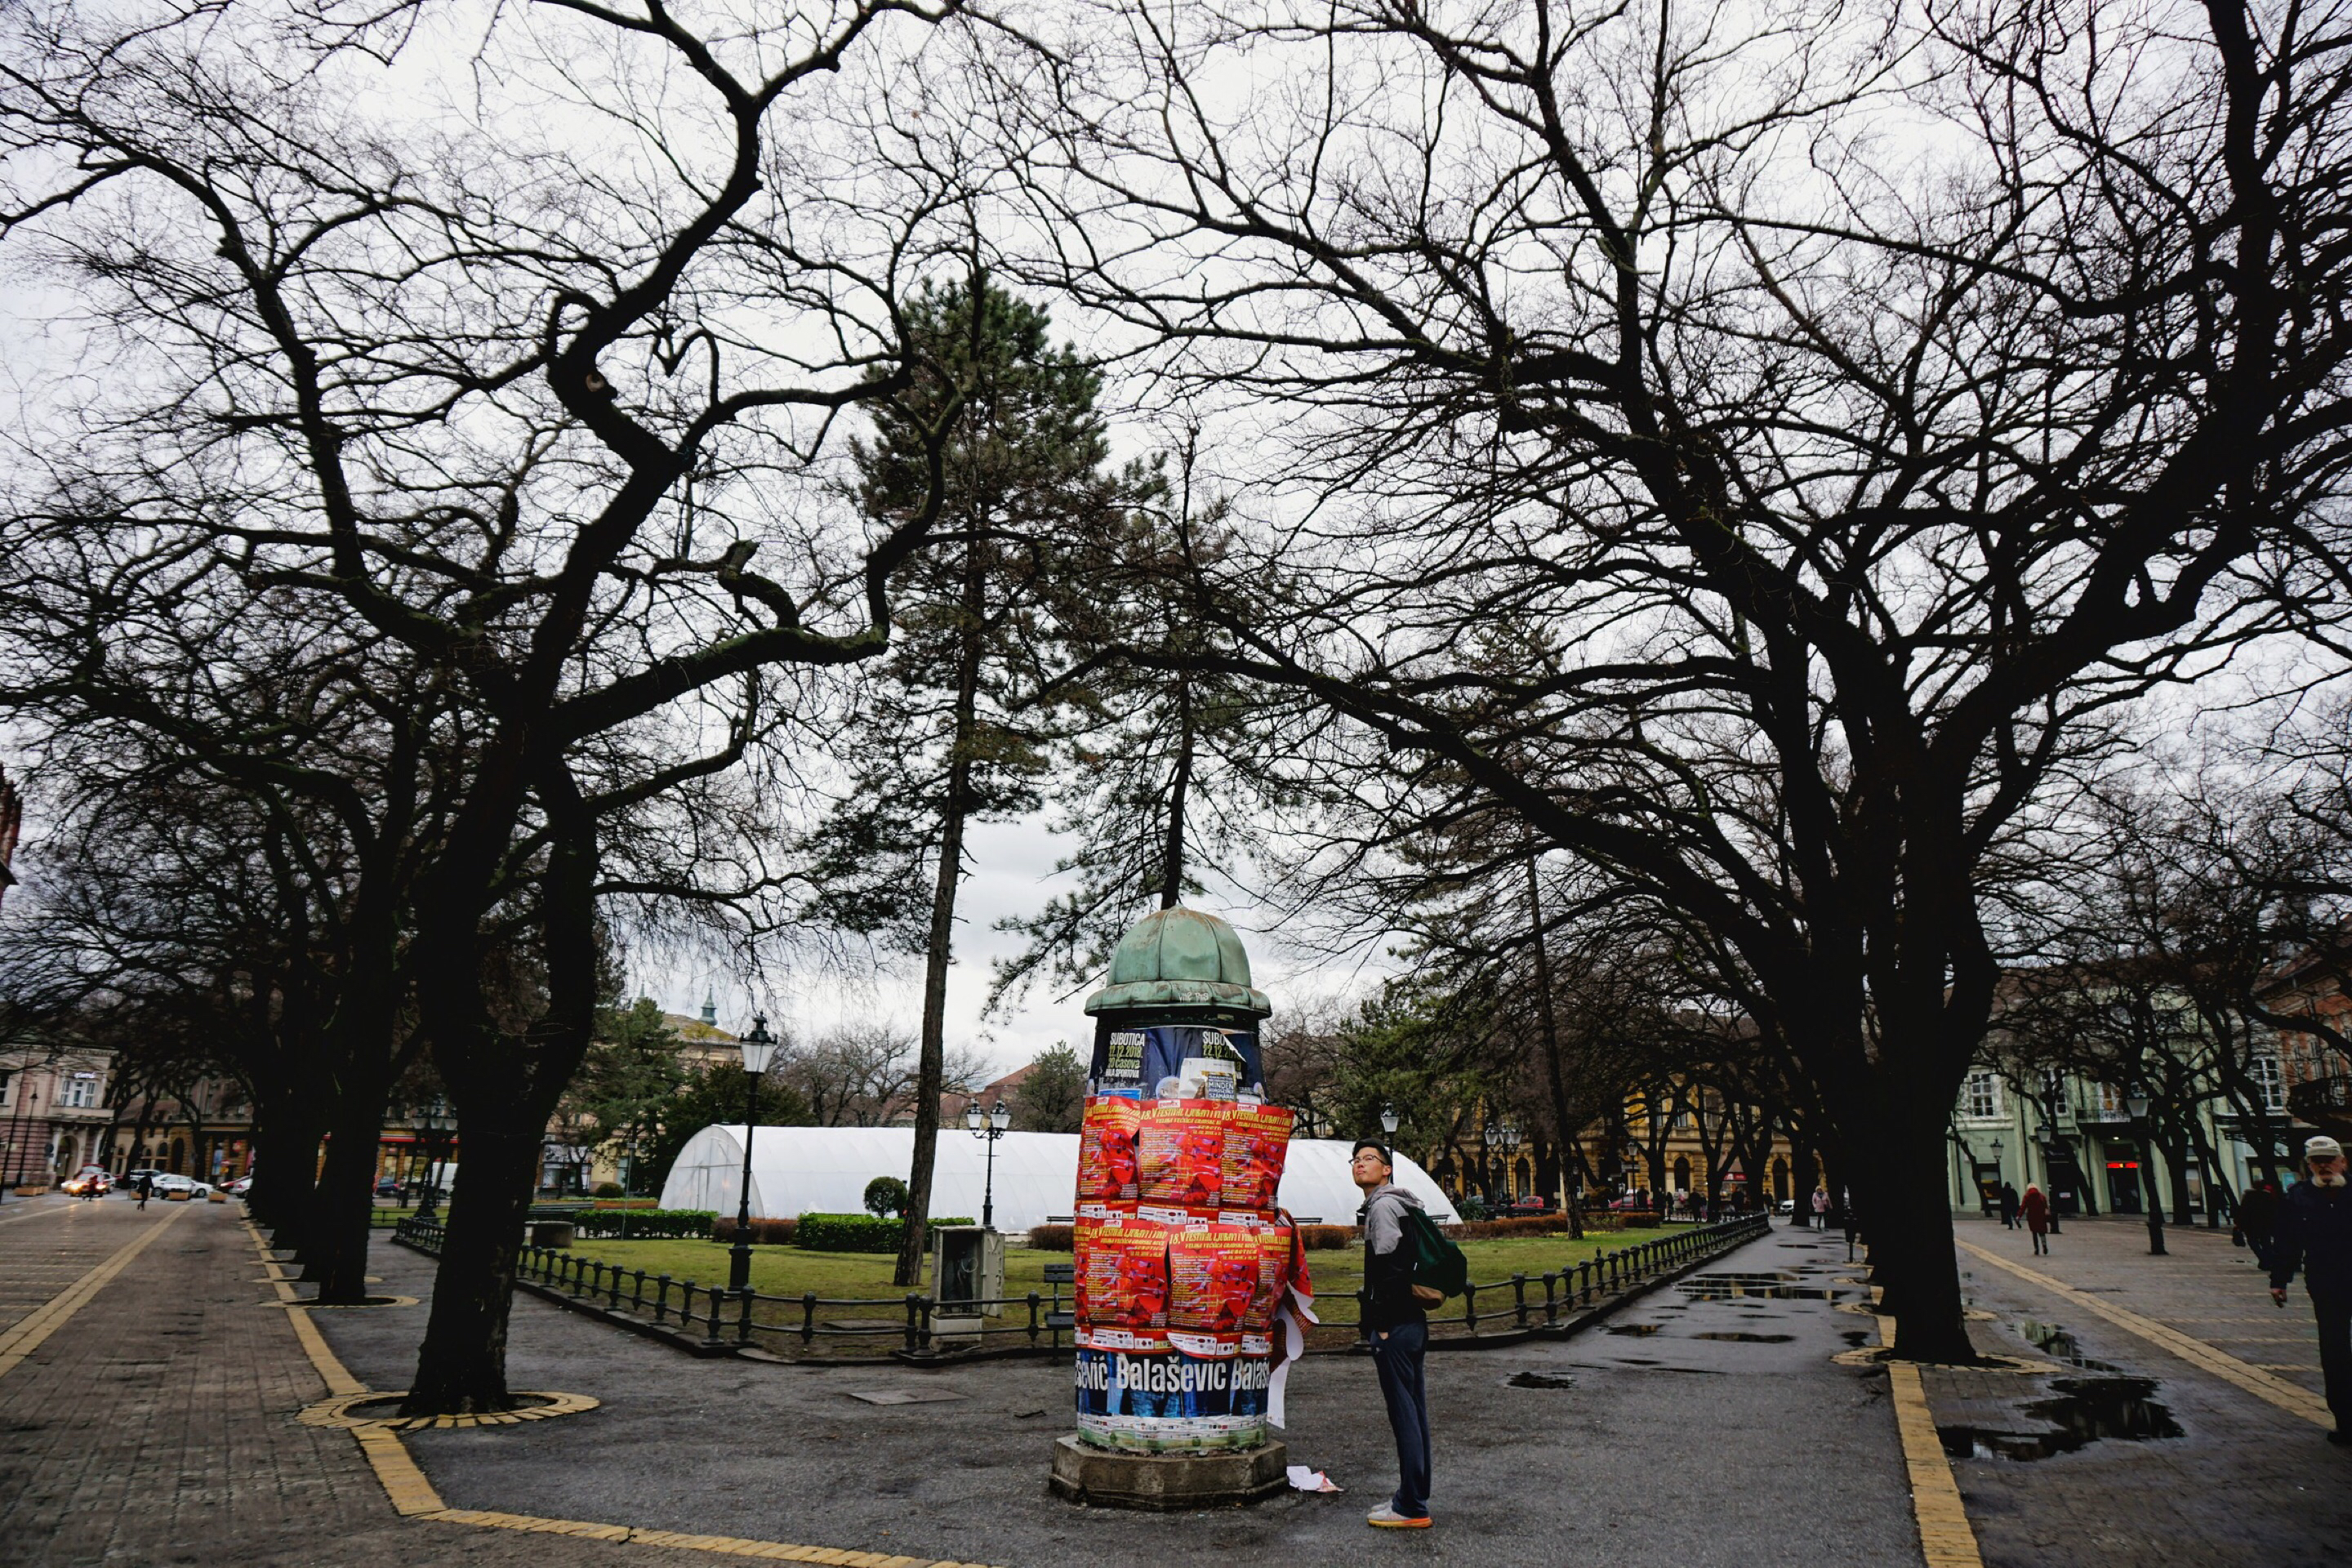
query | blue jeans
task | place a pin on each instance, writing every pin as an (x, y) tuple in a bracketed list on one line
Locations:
[(1398, 1359)]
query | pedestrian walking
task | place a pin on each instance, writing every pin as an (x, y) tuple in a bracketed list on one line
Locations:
[(1821, 1208), (2008, 1206), (1400, 1331), (2313, 1233), (146, 1188), (2257, 1218), (2036, 1210)]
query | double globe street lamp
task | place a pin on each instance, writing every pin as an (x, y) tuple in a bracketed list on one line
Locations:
[(991, 1125), (759, 1048)]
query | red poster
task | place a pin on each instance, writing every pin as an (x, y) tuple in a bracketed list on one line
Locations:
[(1212, 1278), (1107, 1150), (1274, 1253), (1122, 1274), (1181, 1152), (1257, 1138)]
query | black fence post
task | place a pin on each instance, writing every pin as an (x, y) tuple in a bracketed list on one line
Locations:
[(1470, 1307), (1520, 1300), (1033, 1319), (808, 1318), (913, 1313), (661, 1297), (1551, 1299), (717, 1306), (743, 1317)]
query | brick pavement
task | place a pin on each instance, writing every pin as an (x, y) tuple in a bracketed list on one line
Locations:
[(158, 1425), (2245, 1483)]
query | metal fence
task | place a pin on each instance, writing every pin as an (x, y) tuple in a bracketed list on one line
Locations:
[(919, 1326)]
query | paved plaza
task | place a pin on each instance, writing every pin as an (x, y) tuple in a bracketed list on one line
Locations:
[(151, 1415)]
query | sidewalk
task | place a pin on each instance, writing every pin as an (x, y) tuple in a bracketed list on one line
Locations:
[(156, 1425), (1665, 1447), (2246, 1482)]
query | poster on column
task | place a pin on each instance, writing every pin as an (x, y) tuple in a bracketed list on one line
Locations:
[(1171, 1402), (1177, 1061)]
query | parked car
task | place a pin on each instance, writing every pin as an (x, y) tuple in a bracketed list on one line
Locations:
[(179, 1189), (90, 1178), (389, 1187), (239, 1187), (1534, 1202), (1786, 1205)]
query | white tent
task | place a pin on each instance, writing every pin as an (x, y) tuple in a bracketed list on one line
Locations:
[(823, 1170)]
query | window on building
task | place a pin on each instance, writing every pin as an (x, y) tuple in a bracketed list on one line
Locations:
[(2108, 1098), (2269, 1083), (1981, 1097), (81, 1091)]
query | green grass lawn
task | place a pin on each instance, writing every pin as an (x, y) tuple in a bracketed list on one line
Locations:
[(868, 1308), (856, 1276)]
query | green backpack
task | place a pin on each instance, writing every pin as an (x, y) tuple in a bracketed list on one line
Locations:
[(1439, 1269)]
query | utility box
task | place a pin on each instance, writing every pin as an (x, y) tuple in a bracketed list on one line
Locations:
[(967, 1268)]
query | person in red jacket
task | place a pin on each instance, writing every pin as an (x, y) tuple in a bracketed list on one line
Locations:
[(2036, 1208)]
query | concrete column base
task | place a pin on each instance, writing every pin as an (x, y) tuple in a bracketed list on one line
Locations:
[(1166, 1483)]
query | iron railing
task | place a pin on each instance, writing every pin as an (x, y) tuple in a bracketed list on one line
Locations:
[(1038, 1320)]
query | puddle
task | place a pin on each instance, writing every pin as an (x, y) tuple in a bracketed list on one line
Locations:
[(1634, 1327), (1755, 1287), (1538, 1380), (2059, 1344), (2085, 1410), (1749, 1339), (1857, 1338)]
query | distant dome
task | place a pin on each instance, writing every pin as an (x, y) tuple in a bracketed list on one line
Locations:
[(1180, 956)]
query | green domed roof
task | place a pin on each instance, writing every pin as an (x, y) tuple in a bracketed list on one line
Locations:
[(1182, 957)]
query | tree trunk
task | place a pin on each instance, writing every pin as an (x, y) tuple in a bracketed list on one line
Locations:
[(1911, 1250), (939, 951), (1171, 868), (1548, 1020), (342, 1205), (461, 1367)]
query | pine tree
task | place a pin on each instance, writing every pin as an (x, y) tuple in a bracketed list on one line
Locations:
[(949, 737)]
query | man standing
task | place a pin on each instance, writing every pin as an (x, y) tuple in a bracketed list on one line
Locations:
[(2009, 1206), (2315, 1233), (2257, 1216), (1400, 1332)]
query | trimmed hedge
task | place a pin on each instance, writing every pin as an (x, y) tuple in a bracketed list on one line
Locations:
[(764, 1232), (642, 1225), (855, 1232)]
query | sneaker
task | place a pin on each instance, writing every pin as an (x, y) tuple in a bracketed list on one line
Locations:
[(1387, 1517)]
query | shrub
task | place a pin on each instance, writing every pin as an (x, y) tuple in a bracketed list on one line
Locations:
[(1054, 1237), (887, 1197), (764, 1232), (640, 1225), (856, 1232), (608, 1190)]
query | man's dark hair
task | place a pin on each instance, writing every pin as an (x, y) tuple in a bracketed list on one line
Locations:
[(1363, 1143)]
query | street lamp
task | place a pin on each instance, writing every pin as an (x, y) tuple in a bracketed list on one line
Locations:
[(436, 1119), (1388, 1130), (990, 1125), (1508, 1139), (2136, 1106), (758, 1047)]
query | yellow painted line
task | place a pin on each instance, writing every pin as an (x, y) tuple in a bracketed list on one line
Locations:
[(1947, 1540), (413, 1496), (2287, 1396), (27, 1335)]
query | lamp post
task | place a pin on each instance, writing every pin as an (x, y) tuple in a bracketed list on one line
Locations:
[(757, 1046), (1508, 1139), (1388, 1130), (436, 1119), (2137, 1105), (989, 1125)]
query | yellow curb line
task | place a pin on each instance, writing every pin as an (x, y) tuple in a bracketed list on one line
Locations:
[(1947, 1540), (28, 1333), (413, 1496), (2290, 1397)]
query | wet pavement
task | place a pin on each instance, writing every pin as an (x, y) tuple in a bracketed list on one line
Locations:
[(2122, 1454), (1634, 1450)]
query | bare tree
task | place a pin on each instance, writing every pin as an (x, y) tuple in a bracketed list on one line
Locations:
[(1762, 521)]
